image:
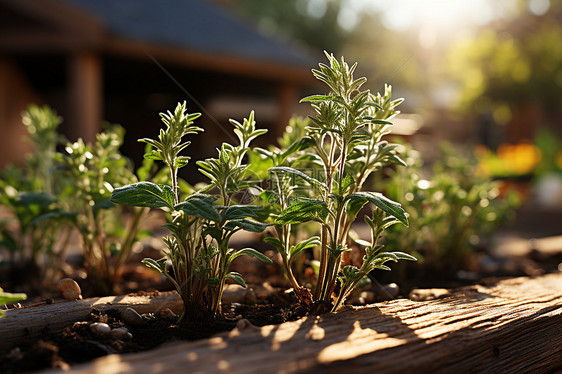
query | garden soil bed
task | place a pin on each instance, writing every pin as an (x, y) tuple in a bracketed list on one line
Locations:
[(514, 325)]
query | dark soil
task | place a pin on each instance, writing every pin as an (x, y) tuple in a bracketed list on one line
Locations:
[(77, 343)]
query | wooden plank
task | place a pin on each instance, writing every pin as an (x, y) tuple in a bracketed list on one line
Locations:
[(26, 324), (514, 326)]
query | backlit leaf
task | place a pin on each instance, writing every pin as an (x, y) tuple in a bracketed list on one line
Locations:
[(144, 194)]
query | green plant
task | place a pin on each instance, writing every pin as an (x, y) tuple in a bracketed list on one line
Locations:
[(35, 234), (201, 224), (92, 172), (344, 141), (450, 211), (9, 298)]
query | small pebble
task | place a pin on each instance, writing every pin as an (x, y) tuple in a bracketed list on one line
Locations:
[(131, 317), (234, 293), (244, 324), (428, 294), (121, 333), (250, 297), (367, 297), (100, 328), (117, 345), (69, 289)]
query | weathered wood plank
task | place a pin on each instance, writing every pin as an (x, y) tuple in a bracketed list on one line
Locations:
[(514, 326), (26, 323)]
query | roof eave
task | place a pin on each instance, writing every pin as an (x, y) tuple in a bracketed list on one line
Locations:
[(223, 63)]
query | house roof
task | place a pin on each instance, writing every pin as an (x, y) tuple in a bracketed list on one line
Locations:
[(190, 33), (191, 24)]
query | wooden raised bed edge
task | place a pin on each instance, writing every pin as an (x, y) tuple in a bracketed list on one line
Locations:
[(514, 326), (26, 324)]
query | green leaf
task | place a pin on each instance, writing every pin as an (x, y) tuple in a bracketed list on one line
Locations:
[(354, 206), (213, 281), (376, 105), (299, 145), (9, 298), (153, 155), (245, 224), (200, 206), (158, 265), (144, 194), (303, 210), (384, 257), (56, 215), (40, 199), (350, 274), (252, 253), (313, 181), (314, 98), (404, 256), (181, 161), (274, 242), (388, 206), (236, 277), (377, 121), (381, 267), (307, 243), (241, 211)]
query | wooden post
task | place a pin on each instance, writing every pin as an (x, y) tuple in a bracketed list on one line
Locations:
[(85, 96), (287, 97)]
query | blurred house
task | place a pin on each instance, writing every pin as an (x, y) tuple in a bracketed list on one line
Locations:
[(125, 61)]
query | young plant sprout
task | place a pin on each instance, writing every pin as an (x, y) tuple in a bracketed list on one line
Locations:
[(201, 224), (345, 140)]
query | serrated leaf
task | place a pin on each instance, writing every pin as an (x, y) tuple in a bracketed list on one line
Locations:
[(388, 206), (303, 210), (241, 211), (236, 277), (144, 194), (200, 206)]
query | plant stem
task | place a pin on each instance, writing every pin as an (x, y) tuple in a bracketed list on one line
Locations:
[(323, 263)]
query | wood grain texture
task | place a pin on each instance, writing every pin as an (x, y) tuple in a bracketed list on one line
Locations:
[(514, 326), (26, 324)]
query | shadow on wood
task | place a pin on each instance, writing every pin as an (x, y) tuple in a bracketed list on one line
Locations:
[(513, 326)]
